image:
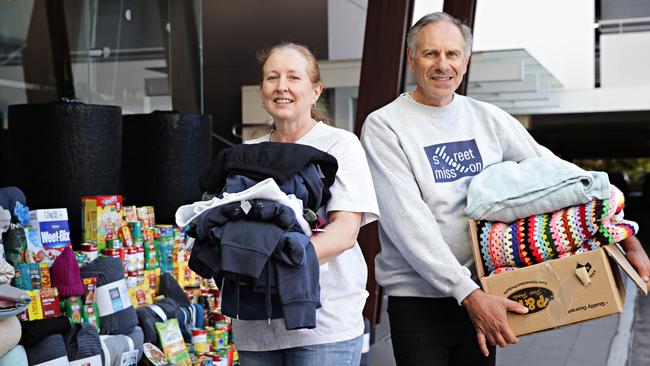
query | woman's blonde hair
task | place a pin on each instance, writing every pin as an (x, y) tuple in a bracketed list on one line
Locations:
[(312, 70)]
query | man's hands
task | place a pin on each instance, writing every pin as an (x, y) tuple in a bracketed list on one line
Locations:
[(488, 313), (637, 256)]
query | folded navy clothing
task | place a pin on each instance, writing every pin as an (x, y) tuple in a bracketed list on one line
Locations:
[(246, 246), (251, 210), (243, 302), (159, 311), (171, 289), (116, 312), (291, 249), (275, 160), (82, 342), (36, 330), (49, 349), (296, 186)]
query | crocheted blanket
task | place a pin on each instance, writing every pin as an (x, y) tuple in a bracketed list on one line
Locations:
[(558, 234)]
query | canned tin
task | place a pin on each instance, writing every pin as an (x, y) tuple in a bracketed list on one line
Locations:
[(149, 234), (140, 276), (211, 334), (131, 259), (115, 243), (90, 251), (136, 229), (199, 340), (138, 242), (131, 280), (219, 341), (152, 280), (113, 253), (139, 258), (166, 231)]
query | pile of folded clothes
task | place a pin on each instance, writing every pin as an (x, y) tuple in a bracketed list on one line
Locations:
[(586, 212)]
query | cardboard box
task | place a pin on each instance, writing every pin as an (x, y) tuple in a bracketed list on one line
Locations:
[(51, 226), (561, 291), (50, 302), (102, 219)]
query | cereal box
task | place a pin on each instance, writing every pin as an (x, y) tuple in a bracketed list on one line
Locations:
[(102, 219)]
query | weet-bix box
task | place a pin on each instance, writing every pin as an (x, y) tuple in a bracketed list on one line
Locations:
[(51, 227)]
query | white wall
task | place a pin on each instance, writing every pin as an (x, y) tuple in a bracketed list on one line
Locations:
[(625, 59), (424, 7), (558, 33), (346, 24)]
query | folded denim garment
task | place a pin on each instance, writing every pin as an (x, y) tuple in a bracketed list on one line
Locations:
[(13, 301)]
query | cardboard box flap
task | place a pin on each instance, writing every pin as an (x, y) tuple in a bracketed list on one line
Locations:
[(478, 261), (617, 255)]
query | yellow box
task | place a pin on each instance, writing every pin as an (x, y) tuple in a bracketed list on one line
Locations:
[(102, 219), (35, 309)]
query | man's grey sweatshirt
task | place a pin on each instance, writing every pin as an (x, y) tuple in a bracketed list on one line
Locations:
[(422, 159)]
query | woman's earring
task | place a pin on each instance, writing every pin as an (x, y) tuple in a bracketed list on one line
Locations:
[(262, 105)]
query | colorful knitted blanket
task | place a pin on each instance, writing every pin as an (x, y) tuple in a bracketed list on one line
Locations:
[(558, 234)]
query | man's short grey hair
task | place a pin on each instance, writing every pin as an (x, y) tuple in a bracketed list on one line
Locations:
[(440, 16)]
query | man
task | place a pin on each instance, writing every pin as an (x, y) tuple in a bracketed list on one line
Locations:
[(423, 150)]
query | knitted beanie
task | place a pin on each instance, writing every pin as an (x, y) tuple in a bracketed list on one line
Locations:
[(65, 274), (51, 348), (16, 356), (9, 334)]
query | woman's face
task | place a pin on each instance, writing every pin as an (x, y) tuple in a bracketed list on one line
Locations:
[(287, 90)]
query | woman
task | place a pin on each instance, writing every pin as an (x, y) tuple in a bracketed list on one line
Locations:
[(290, 85)]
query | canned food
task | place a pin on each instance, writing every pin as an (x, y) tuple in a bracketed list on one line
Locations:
[(139, 258), (115, 243), (136, 229), (218, 341), (199, 340), (131, 259), (152, 280), (140, 276), (90, 251), (131, 280)]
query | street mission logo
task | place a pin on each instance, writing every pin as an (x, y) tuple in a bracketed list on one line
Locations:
[(453, 160)]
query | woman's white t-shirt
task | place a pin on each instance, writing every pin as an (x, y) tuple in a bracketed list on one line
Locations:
[(343, 279)]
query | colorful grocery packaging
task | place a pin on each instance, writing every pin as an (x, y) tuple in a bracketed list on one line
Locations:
[(50, 302), (102, 219), (172, 343), (52, 228)]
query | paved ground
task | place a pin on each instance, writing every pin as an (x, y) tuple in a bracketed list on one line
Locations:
[(640, 346), (600, 342)]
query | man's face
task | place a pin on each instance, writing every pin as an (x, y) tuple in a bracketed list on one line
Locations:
[(439, 63)]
